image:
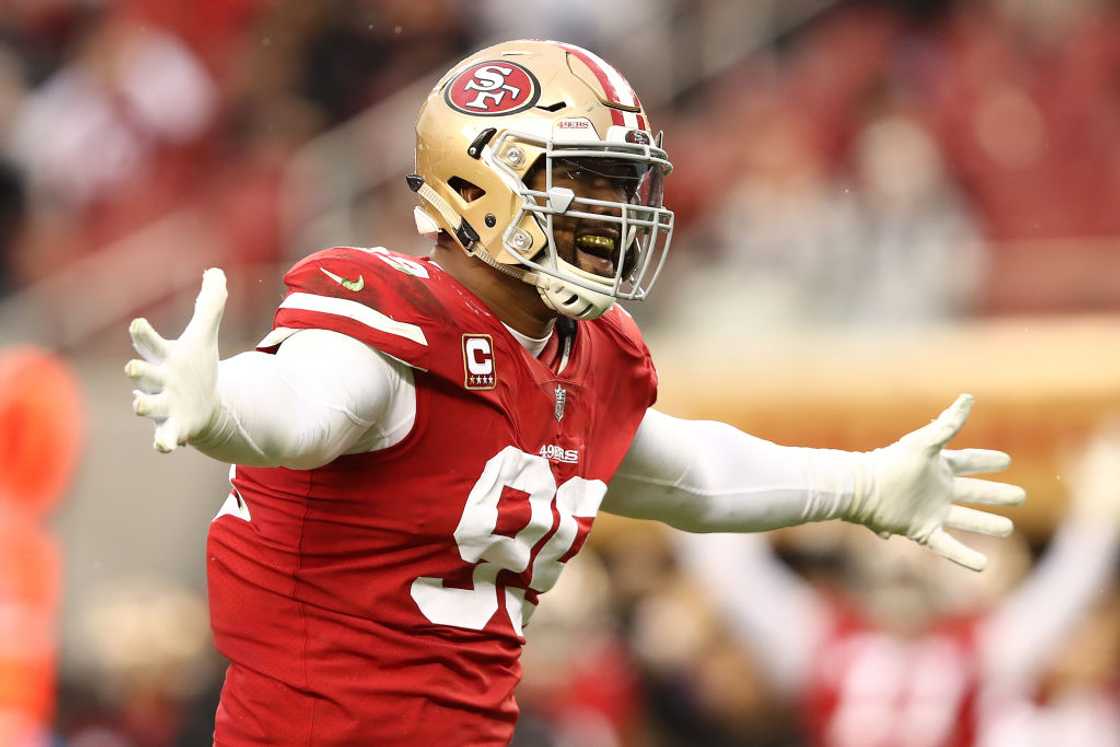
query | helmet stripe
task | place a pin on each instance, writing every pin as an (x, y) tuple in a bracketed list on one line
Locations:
[(615, 87)]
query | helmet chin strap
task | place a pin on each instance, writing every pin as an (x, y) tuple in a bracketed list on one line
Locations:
[(514, 271), (570, 300), (563, 298)]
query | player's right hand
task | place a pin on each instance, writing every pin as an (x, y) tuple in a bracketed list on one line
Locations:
[(177, 380)]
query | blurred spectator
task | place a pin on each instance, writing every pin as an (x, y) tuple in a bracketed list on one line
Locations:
[(916, 256), (1077, 700), (215, 30), (916, 651), (104, 141), (145, 661), (41, 429), (777, 232), (1079, 703), (698, 685), (91, 127), (580, 686), (42, 33)]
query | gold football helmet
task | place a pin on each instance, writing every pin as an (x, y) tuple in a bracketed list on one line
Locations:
[(520, 106)]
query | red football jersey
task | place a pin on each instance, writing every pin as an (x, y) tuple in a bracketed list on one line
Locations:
[(379, 600), (869, 688)]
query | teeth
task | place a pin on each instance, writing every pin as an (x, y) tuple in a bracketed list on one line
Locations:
[(591, 241)]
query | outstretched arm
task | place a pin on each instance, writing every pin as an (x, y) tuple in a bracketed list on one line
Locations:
[(703, 476), (1024, 633), (321, 395)]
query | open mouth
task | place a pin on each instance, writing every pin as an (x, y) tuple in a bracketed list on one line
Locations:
[(597, 252)]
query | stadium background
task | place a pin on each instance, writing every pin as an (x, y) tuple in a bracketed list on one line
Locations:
[(880, 204)]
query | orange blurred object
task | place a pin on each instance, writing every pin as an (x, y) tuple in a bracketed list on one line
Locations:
[(41, 420), (40, 437), (30, 590)]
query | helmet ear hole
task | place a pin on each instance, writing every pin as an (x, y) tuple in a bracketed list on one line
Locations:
[(468, 191), (533, 171)]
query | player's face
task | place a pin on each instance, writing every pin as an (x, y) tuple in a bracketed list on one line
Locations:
[(592, 245)]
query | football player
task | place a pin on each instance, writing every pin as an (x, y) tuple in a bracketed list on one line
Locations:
[(421, 444)]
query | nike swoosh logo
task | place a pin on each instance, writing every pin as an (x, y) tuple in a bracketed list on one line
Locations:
[(350, 285)]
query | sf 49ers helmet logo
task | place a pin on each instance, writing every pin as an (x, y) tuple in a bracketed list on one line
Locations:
[(492, 88)]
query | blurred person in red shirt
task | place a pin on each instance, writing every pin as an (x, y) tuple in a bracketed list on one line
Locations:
[(905, 653), (1076, 697)]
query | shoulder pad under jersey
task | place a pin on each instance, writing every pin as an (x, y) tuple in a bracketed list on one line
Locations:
[(623, 331), (377, 296)]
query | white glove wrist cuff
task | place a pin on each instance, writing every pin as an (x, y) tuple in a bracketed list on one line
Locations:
[(840, 483), (862, 500)]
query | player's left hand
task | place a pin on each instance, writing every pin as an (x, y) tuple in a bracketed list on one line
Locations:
[(177, 379), (912, 488)]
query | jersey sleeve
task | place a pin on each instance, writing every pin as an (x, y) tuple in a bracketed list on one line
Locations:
[(376, 296)]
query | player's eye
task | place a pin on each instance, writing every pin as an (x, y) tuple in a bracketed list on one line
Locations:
[(627, 176), (572, 170)]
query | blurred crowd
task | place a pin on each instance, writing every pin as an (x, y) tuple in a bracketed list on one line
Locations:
[(881, 163), (918, 160), (907, 162), (117, 113)]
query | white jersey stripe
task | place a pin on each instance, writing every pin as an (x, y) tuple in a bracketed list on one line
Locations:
[(357, 312)]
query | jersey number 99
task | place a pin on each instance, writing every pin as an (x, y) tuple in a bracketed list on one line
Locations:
[(491, 553)]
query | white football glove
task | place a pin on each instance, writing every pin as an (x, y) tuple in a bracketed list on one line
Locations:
[(177, 380), (911, 488)]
